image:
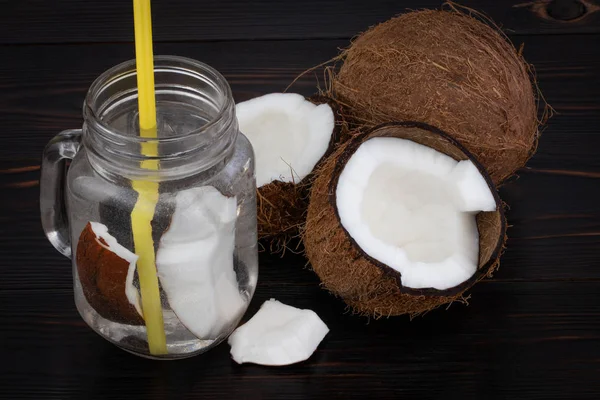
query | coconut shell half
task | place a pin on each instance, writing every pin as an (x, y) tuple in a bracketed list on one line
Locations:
[(281, 206), (365, 284)]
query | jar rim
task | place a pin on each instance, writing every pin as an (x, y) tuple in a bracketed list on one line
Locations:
[(160, 61)]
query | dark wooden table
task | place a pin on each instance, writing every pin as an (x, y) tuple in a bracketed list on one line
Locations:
[(531, 332)]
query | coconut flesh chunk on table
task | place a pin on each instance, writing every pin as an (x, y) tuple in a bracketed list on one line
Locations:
[(278, 334)]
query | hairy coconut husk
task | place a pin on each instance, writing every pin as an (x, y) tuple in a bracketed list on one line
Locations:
[(450, 70), (102, 275), (281, 206), (366, 285), (343, 126)]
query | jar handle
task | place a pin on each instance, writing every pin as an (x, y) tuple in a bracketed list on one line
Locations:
[(52, 188)]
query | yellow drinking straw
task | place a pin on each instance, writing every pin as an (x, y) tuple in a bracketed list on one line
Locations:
[(143, 212)]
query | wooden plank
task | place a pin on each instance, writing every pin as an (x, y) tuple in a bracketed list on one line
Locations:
[(515, 340), (68, 21)]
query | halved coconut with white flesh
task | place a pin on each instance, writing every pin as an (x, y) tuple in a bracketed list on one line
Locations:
[(106, 270), (290, 135), (278, 334), (194, 261), (401, 220)]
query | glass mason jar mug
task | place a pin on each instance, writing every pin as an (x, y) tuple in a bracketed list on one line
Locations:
[(161, 230)]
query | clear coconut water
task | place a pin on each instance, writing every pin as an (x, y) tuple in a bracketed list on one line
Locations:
[(113, 209), (204, 226)]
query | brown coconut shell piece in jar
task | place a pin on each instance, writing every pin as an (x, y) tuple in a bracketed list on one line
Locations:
[(103, 275), (368, 286)]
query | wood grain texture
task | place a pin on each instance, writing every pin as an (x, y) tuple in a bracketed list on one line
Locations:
[(40, 99), (515, 340), (41, 21), (532, 331)]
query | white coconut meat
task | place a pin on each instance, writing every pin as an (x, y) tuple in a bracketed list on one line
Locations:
[(289, 135), (413, 209), (194, 261), (131, 292), (278, 334)]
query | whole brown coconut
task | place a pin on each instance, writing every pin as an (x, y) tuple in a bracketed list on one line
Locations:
[(449, 70), (366, 285), (281, 206)]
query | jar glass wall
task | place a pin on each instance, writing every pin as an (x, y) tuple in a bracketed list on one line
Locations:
[(192, 197)]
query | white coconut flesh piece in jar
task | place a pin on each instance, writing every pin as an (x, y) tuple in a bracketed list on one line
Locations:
[(110, 243), (194, 261), (413, 209), (289, 135), (278, 334)]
